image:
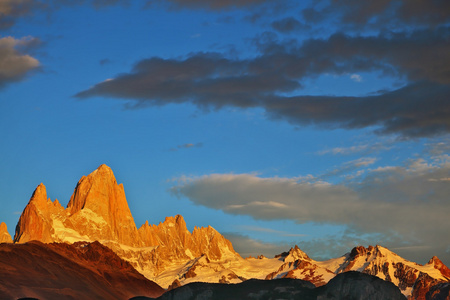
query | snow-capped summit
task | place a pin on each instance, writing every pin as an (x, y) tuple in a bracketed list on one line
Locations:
[(171, 255), (295, 254)]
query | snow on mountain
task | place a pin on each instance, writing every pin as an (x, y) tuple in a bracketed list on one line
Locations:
[(387, 265), (170, 255)]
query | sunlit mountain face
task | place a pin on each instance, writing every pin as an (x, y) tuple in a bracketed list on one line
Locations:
[(97, 223)]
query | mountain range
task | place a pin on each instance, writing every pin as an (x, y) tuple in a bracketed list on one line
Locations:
[(169, 256)]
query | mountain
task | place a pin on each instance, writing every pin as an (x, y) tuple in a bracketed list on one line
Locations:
[(172, 256), (98, 211), (387, 265), (5, 237), (349, 285), (411, 278), (62, 271)]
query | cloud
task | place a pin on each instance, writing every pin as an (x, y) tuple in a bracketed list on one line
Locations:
[(364, 148), (416, 110), (187, 146), (269, 230), (288, 25), (12, 9), (247, 246), (402, 203), (385, 13), (214, 4), (273, 80), (14, 64), (104, 61), (356, 77)]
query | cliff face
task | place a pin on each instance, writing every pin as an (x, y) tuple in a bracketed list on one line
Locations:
[(36, 220), (175, 241), (97, 210), (98, 197)]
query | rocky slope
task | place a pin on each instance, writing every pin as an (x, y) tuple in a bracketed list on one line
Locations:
[(169, 254), (62, 271)]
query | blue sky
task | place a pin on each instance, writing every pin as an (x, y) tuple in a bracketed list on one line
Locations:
[(323, 124)]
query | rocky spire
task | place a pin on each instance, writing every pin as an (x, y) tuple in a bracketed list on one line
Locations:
[(175, 241), (98, 197), (97, 210), (35, 222), (5, 237)]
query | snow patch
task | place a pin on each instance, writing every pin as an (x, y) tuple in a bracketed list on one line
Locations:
[(68, 235)]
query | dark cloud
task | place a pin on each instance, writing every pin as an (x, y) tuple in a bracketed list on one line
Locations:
[(288, 25), (417, 110), (15, 64), (10, 10), (212, 4), (421, 58), (207, 79), (382, 13)]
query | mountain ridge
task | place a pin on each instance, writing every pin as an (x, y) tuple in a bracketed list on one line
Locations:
[(171, 255)]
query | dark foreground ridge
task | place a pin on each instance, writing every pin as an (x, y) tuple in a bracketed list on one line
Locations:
[(350, 285), (62, 271)]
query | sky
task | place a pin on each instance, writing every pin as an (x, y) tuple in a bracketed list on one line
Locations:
[(322, 124)]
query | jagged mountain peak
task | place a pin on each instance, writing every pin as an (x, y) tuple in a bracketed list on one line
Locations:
[(5, 237), (39, 196), (371, 253), (439, 265), (177, 221), (94, 190), (97, 210), (296, 253)]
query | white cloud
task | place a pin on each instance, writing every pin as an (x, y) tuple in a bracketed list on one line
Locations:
[(404, 201), (356, 77)]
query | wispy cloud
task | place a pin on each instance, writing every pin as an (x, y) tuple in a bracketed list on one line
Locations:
[(366, 148), (269, 230), (187, 146), (356, 77)]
